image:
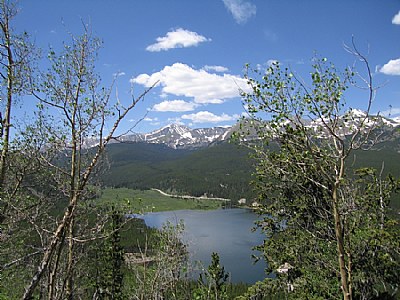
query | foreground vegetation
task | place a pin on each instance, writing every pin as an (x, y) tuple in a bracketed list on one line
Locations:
[(329, 232), (330, 229)]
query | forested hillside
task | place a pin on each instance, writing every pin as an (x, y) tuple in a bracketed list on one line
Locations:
[(222, 170)]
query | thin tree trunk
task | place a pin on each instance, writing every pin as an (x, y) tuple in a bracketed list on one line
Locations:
[(6, 122), (340, 245), (53, 272), (70, 262), (381, 197), (60, 231), (349, 272)]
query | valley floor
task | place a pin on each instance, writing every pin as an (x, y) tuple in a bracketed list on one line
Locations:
[(190, 197), (142, 201)]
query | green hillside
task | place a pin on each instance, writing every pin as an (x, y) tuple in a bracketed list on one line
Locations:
[(222, 170), (387, 153)]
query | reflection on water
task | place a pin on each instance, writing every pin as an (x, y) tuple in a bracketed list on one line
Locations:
[(227, 232)]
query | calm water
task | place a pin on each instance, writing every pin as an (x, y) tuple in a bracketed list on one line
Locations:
[(227, 232)]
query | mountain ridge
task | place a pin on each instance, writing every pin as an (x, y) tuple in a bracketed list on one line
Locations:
[(181, 137), (178, 136)]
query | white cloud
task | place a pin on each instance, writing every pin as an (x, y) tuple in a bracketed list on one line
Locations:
[(392, 112), (175, 106), (147, 119), (208, 117), (241, 10), (182, 80), (220, 69), (396, 19), (119, 74), (175, 121), (152, 121), (180, 38), (391, 68), (142, 79)]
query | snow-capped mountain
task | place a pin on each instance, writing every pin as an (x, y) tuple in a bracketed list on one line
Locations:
[(178, 136), (182, 137), (352, 120)]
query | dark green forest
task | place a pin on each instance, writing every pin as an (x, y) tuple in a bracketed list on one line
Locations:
[(220, 170)]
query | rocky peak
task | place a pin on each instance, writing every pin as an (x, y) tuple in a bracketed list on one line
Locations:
[(182, 137), (179, 136)]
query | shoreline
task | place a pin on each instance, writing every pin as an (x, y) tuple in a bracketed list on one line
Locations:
[(190, 197)]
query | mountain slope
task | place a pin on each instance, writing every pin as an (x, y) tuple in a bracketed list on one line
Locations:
[(181, 160), (223, 170)]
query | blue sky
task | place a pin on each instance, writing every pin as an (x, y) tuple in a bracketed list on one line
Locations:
[(197, 49)]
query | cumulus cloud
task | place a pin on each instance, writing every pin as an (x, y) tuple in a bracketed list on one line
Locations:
[(181, 80), (391, 68), (208, 117), (396, 19), (175, 106), (180, 38), (241, 10), (220, 69)]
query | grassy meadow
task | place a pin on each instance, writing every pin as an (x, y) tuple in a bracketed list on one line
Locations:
[(141, 201)]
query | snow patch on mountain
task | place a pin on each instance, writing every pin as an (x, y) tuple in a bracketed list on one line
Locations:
[(396, 120), (178, 136)]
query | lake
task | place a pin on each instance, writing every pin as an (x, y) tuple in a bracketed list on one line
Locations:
[(225, 231)]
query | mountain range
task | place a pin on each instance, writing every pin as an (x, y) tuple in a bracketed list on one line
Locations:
[(182, 137), (181, 160)]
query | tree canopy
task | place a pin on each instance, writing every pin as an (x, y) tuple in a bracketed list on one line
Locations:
[(333, 226)]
